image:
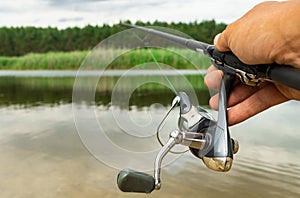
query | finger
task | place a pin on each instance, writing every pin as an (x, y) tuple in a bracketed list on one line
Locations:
[(211, 69), (213, 79), (213, 102), (240, 93), (263, 99), (221, 41)]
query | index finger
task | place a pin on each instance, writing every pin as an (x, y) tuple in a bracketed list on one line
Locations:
[(221, 42)]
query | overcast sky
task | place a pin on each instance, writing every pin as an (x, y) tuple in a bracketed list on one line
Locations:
[(68, 13)]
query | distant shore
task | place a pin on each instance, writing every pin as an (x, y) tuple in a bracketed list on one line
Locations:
[(44, 61), (182, 59)]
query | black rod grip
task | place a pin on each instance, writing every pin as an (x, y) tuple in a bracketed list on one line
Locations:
[(283, 74), (133, 181)]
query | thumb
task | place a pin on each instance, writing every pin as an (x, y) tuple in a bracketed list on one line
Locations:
[(221, 42)]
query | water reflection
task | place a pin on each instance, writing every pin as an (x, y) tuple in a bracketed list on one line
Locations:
[(42, 155), (34, 91)]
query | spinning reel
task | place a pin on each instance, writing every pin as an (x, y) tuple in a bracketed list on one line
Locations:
[(206, 138)]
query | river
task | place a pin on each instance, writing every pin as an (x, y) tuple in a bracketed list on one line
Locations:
[(44, 152)]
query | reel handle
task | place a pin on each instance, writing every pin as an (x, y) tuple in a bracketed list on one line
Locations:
[(133, 181)]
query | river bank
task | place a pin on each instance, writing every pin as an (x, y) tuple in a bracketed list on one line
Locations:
[(73, 60)]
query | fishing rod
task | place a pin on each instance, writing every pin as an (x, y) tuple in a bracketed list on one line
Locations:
[(226, 61), (205, 137)]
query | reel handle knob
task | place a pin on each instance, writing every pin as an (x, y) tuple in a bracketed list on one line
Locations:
[(133, 181)]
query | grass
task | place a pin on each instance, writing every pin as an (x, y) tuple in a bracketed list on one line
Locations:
[(106, 59), (50, 60)]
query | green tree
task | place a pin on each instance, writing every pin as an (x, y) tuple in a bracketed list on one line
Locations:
[(16, 41)]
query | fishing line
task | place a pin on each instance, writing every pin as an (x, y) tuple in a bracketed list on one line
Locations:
[(156, 62), (171, 86)]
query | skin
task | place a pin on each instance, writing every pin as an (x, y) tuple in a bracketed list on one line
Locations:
[(270, 32)]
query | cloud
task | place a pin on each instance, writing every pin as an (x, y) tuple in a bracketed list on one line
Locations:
[(63, 20), (58, 3), (66, 13)]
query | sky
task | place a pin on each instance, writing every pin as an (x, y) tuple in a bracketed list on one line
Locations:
[(70, 13)]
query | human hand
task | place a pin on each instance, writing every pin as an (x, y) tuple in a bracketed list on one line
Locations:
[(268, 33)]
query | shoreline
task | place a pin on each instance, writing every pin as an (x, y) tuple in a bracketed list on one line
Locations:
[(182, 59), (95, 73)]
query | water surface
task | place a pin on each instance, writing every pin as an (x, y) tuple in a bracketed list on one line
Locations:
[(43, 156)]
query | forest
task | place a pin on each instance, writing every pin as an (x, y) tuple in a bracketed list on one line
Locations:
[(18, 41)]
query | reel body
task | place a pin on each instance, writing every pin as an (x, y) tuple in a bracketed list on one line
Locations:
[(217, 147), (205, 137)]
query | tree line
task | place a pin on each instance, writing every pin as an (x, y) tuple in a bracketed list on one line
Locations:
[(17, 41)]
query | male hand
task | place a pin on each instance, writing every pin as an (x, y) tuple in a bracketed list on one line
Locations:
[(268, 33)]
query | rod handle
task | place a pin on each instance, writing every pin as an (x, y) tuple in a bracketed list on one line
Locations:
[(284, 74)]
